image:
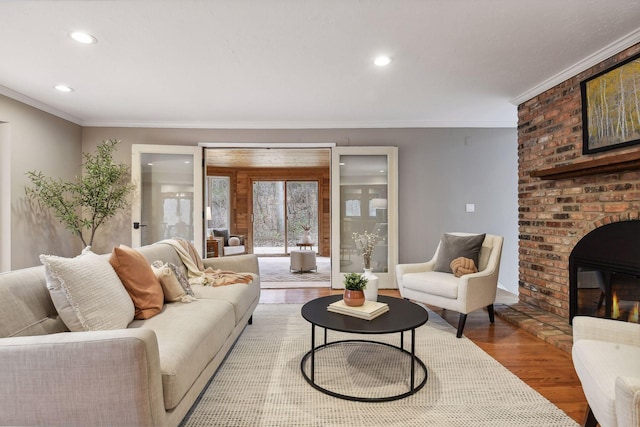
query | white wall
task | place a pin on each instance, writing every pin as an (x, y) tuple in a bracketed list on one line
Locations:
[(438, 174), (38, 141)]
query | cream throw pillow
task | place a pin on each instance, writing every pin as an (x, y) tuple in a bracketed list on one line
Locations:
[(173, 289), (87, 292)]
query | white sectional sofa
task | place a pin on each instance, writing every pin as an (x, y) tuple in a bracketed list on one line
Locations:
[(147, 374)]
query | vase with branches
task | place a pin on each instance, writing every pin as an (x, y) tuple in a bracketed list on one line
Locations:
[(365, 243), (85, 204)]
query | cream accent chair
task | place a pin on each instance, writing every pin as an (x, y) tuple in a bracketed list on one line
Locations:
[(463, 294), (606, 357)]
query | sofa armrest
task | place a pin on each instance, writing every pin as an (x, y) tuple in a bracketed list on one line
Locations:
[(402, 269), (82, 378), (247, 263), (628, 401), (594, 328), (419, 267)]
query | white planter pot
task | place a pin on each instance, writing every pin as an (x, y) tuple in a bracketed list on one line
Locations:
[(306, 237), (371, 291)]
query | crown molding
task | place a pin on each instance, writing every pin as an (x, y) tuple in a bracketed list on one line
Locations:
[(10, 93), (588, 62), (307, 125)]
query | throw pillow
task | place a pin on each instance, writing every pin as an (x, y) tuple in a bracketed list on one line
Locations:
[(222, 232), (452, 247), (234, 241), (172, 287), (87, 292), (138, 278), (184, 282), (461, 266)]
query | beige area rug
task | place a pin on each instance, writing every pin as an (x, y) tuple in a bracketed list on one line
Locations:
[(275, 273), (260, 383)]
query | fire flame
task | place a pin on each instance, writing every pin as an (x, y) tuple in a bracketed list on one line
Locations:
[(615, 310), (633, 314)]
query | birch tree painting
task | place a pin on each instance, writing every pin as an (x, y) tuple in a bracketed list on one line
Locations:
[(612, 115)]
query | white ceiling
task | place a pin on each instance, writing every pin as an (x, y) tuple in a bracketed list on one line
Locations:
[(303, 63)]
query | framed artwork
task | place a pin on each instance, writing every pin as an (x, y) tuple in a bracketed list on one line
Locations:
[(611, 108)]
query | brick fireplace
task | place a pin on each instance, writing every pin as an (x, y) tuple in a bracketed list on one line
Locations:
[(563, 195)]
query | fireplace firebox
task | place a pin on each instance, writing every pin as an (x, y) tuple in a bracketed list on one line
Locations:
[(604, 273)]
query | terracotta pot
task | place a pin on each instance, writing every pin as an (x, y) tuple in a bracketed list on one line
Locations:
[(353, 298)]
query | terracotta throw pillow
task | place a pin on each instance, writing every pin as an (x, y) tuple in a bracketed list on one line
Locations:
[(138, 278), (461, 266)]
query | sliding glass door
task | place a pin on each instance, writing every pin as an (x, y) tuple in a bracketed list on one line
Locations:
[(281, 212)]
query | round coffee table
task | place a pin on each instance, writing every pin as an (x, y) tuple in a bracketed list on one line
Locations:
[(403, 315)]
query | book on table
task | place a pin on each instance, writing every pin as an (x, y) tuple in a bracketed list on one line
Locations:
[(367, 311)]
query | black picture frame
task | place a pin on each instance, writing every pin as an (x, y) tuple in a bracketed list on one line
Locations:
[(611, 107)]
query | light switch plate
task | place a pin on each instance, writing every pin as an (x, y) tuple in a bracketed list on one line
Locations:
[(470, 207)]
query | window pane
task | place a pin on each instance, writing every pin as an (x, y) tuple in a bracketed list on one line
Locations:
[(219, 201)]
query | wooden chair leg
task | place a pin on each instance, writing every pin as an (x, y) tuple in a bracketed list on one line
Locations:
[(461, 322), (251, 320), (492, 317), (589, 418)]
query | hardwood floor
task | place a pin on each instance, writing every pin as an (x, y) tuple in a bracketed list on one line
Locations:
[(542, 366)]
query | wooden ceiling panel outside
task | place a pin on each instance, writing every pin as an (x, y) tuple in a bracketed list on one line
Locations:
[(268, 157)]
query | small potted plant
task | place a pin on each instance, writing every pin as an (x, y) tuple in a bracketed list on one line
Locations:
[(354, 284)]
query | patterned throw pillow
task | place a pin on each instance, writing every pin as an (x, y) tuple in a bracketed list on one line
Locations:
[(175, 285), (87, 292)]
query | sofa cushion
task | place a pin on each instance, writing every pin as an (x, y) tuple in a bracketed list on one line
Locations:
[(598, 364), (452, 247), (432, 282), (87, 292), (189, 336), (25, 304), (239, 295), (138, 278)]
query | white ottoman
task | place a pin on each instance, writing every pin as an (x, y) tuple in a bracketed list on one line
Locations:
[(303, 261)]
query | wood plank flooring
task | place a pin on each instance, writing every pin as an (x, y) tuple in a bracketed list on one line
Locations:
[(542, 366)]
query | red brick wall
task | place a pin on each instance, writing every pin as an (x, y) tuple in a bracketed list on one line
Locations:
[(555, 214)]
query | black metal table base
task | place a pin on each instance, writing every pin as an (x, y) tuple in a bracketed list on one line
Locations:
[(415, 360)]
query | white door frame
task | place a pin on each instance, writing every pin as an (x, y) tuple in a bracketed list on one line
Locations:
[(388, 279), (5, 196), (136, 204)]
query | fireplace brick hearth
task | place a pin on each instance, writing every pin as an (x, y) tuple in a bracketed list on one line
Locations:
[(554, 214)]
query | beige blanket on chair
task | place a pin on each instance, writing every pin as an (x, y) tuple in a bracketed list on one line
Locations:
[(196, 272)]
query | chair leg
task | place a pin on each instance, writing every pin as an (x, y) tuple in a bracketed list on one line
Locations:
[(492, 317), (589, 418), (250, 320), (461, 322)]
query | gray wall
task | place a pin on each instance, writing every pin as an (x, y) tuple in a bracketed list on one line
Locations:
[(440, 170), (37, 141)]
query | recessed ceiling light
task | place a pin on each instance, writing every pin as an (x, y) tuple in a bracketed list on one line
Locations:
[(382, 60), (63, 88), (84, 38)]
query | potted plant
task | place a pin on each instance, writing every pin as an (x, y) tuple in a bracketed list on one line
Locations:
[(354, 284), (86, 203)]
